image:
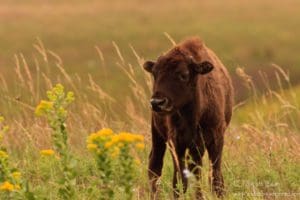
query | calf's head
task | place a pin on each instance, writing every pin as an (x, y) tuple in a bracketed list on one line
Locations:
[(174, 81)]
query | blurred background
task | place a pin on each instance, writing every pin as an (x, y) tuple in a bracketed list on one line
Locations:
[(253, 35)]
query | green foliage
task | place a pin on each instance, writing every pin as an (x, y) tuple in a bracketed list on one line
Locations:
[(55, 111), (116, 164), (127, 170), (12, 185), (113, 152), (96, 144)]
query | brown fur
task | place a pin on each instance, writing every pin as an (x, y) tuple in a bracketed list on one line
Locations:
[(202, 108)]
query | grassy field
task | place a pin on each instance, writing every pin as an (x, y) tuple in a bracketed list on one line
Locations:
[(49, 42)]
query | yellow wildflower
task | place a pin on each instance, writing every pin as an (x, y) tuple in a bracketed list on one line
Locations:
[(105, 132), (115, 139), (140, 146), (16, 175), (126, 137), (108, 144), (120, 145), (61, 111), (139, 138), (47, 152), (123, 138), (130, 137), (70, 97), (43, 107), (91, 147), (91, 138), (115, 152), (101, 135), (7, 186), (56, 91), (17, 187), (3, 154)]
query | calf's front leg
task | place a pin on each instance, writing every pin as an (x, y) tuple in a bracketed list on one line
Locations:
[(178, 162), (155, 161)]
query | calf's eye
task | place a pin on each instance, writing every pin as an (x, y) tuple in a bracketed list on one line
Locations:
[(183, 77)]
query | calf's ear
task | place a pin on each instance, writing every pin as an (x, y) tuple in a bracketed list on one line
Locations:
[(148, 66), (204, 67)]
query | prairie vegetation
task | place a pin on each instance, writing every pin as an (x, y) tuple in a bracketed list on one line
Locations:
[(261, 154)]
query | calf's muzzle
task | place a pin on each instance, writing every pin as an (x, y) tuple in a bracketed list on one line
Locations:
[(160, 104)]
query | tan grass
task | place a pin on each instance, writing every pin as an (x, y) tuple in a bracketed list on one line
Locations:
[(264, 133)]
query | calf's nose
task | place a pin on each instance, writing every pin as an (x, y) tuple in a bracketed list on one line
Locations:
[(158, 102)]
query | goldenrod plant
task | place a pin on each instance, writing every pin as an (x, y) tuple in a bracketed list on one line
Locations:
[(55, 110), (11, 184), (126, 142), (115, 151), (47, 152), (96, 144), (9, 178)]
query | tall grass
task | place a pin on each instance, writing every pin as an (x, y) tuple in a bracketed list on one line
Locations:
[(261, 158), (98, 107)]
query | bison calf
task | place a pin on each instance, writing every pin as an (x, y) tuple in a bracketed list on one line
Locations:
[(192, 106)]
